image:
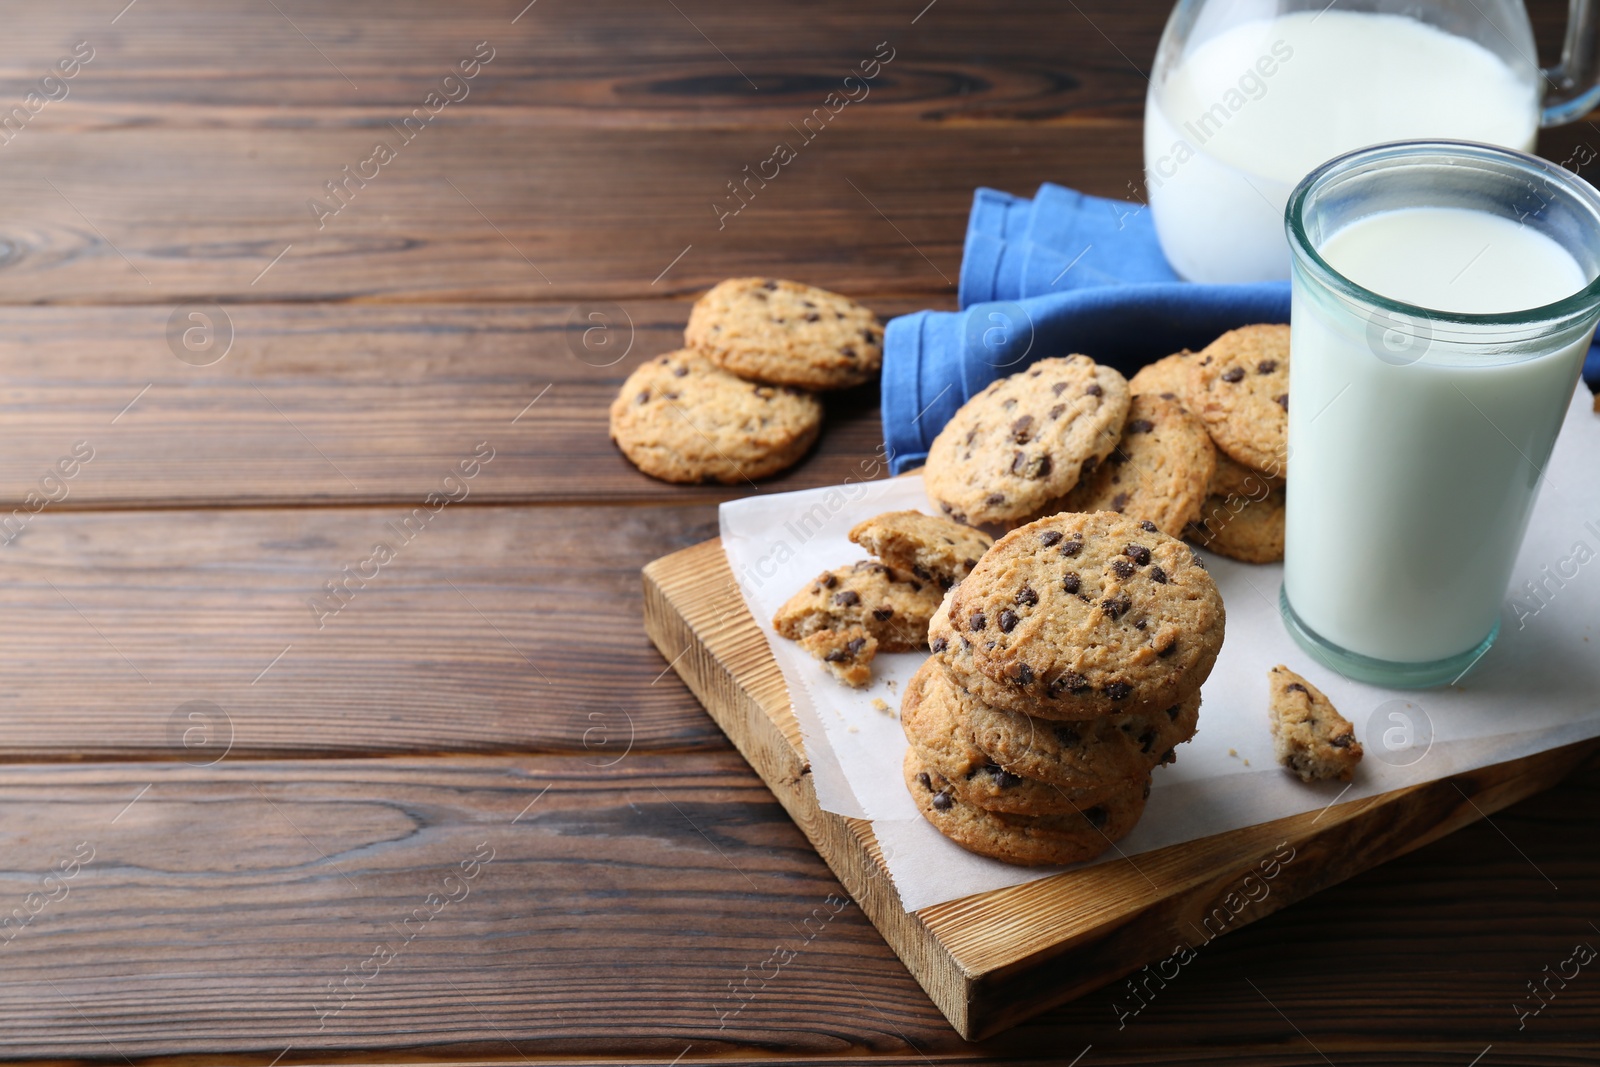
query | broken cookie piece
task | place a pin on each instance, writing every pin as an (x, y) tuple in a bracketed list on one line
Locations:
[(932, 548), (1309, 736), (890, 604), (847, 653)]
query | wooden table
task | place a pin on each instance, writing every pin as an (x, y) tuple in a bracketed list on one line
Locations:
[(458, 808)]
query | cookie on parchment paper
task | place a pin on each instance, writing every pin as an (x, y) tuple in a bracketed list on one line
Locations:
[(891, 605), (1027, 840), (930, 547), (1240, 388), (786, 333), (1025, 440), (1309, 736), (682, 419), (1080, 615), (1159, 470)]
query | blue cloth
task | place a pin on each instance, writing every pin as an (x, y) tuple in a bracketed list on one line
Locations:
[(1062, 272)]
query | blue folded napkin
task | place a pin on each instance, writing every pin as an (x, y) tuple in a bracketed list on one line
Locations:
[(1062, 272)]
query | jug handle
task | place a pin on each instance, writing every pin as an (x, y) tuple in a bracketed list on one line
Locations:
[(1574, 83)]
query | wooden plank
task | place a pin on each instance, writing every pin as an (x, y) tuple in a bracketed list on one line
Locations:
[(620, 905), (491, 630), (995, 959), (353, 403)]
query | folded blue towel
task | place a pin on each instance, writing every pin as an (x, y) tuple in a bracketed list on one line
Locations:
[(1060, 273)]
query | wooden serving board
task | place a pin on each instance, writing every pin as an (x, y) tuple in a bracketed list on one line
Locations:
[(992, 960)]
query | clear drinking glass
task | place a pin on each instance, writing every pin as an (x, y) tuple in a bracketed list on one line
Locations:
[(1417, 437), (1247, 96)]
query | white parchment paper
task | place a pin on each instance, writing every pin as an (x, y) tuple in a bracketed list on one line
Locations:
[(1537, 688)]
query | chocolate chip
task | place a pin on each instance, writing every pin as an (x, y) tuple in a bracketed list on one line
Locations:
[(869, 337), (1147, 526), (994, 498), (1267, 366), (1233, 374), (1138, 553), (1122, 568), (926, 783), (812, 316), (670, 396), (830, 581), (847, 352), (941, 801), (759, 295), (1055, 412), (1088, 467), (1140, 625), (1070, 682), (1073, 545), (1172, 712), (1147, 741), (1169, 756), (1141, 426), (883, 614), (644, 397), (1022, 429), (836, 656), (1119, 502), (1198, 560), (971, 563), (1071, 583), (1067, 735), (1008, 620), (1097, 816), (1023, 675), (1093, 390), (855, 645), (1027, 596), (1158, 576), (939, 644), (1343, 741), (1050, 537), (1282, 400), (847, 599), (1295, 687), (769, 284), (1168, 649), (680, 372), (977, 622), (1117, 606), (1058, 388), (1118, 691)]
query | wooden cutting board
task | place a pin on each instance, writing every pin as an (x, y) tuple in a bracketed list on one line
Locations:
[(989, 961)]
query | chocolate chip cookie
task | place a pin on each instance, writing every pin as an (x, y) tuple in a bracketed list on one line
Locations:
[(846, 653), (1309, 736), (932, 548), (1075, 616), (933, 713), (1248, 529), (1234, 478), (1159, 470), (1092, 754), (1240, 388), (891, 605), (1167, 376), (1026, 440), (682, 419), (786, 333), (1027, 840)]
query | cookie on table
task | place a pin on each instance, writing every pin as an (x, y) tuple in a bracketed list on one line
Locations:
[(1308, 735), (1092, 754), (1233, 478), (1240, 388), (1025, 440), (1239, 527), (1167, 376), (786, 333), (932, 548), (1026, 840), (682, 419), (1080, 615), (1160, 469), (891, 605), (846, 653), (932, 714)]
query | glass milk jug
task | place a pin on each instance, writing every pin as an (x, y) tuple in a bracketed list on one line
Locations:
[(1249, 96)]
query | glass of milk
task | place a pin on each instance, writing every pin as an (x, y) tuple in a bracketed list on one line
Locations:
[(1247, 96), (1444, 297)]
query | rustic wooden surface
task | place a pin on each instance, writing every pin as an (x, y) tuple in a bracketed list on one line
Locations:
[(633, 908)]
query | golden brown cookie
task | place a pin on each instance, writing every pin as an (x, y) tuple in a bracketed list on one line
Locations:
[(1076, 616), (1159, 470), (1025, 440), (1309, 736), (846, 653), (681, 419), (1240, 388), (1242, 528), (786, 333), (1232, 477), (891, 605), (1027, 840), (932, 548)]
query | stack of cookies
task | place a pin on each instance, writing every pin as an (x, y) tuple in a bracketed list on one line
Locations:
[(1239, 387), (1067, 665), (737, 402)]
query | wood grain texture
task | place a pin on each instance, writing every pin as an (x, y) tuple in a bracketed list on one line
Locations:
[(351, 403), (992, 960), (618, 908)]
